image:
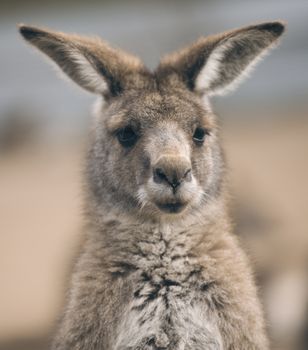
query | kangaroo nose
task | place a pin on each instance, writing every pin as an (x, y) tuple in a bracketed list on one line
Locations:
[(172, 171)]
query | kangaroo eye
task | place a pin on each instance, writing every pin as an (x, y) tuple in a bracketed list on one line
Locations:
[(127, 136), (199, 135)]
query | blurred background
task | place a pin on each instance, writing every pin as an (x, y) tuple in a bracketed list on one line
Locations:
[(43, 127)]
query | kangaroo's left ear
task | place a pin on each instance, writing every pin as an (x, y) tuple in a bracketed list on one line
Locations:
[(216, 64)]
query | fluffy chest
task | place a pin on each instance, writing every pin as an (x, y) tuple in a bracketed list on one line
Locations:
[(166, 268), (168, 303)]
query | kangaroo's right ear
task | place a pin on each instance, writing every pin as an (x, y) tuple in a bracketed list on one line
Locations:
[(90, 62)]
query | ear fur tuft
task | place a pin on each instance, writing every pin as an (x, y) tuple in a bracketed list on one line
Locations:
[(90, 62), (217, 64)]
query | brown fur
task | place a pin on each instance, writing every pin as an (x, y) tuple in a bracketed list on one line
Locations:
[(160, 268)]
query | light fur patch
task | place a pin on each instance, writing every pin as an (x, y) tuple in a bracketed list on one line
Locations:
[(91, 79), (210, 73)]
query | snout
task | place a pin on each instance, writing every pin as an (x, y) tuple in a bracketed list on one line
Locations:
[(171, 185), (172, 171), (170, 174)]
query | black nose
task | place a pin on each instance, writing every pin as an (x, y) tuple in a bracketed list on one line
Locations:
[(172, 173)]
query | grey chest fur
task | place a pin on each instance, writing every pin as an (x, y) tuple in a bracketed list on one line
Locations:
[(168, 308)]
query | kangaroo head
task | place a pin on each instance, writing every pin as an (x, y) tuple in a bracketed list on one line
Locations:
[(155, 146)]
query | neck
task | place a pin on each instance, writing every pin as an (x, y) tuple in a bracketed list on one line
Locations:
[(109, 222), (129, 244)]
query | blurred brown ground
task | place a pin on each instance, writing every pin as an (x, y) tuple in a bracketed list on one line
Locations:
[(40, 225)]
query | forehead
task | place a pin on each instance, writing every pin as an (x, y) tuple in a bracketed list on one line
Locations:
[(148, 109)]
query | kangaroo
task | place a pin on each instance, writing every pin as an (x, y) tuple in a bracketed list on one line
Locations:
[(160, 267)]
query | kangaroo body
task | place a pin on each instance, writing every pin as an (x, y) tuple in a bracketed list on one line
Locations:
[(160, 267), (164, 287)]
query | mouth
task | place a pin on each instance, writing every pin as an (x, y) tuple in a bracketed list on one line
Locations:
[(172, 208)]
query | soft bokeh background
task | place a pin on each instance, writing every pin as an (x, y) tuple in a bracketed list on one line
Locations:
[(43, 124)]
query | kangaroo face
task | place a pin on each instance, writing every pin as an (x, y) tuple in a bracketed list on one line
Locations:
[(155, 147), (161, 148)]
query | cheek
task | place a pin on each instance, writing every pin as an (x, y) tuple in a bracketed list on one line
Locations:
[(202, 165), (131, 167), (143, 172), (119, 168)]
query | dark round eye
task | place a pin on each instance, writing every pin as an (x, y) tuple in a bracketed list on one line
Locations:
[(199, 135), (127, 136)]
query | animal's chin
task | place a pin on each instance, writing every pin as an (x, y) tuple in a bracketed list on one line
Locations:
[(172, 207)]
